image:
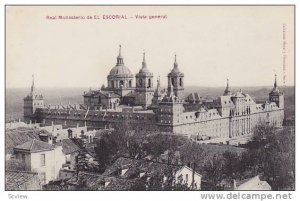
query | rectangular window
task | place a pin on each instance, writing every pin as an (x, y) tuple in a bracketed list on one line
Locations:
[(43, 160)]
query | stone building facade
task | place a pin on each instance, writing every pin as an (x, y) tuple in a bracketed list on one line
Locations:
[(142, 107)]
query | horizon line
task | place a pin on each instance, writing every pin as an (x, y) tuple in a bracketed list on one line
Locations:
[(94, 87)]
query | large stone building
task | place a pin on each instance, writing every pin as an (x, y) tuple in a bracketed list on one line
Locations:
[(145, 107)]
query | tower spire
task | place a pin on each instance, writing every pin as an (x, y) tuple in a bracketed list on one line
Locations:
[(227, 91), (275, 83), (120, 58), (32, 86), (175, 62), (120, 48), (144, 64)]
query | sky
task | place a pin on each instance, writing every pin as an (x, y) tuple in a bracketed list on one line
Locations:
[(247, 44)]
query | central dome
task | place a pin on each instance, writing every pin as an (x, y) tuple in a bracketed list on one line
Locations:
[(120, 70)]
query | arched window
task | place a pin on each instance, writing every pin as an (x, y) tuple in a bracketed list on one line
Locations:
[(172, 81), (140, 82), (130, 84), (149, 83), (112, 84), (180, 82), (121, 83)]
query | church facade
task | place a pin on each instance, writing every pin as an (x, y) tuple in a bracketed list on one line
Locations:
[(147, 108)]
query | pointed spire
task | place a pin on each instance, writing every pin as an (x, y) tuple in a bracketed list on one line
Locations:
[(175, 62), (157, 90), (32, 85), (120, 58), (275, 83), (144, 64), (144, 68), (227, 91), (120, 48)]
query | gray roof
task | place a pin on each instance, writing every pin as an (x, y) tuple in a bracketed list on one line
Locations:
[(68, 146), (35, 146), (17, 180)]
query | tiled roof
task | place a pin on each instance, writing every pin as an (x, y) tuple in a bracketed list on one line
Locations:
[(97, 182), (194, 97), (68, 146), (35, 146), (17, 180), (110, 94), (15, 137), (96, 93), (137, 165)]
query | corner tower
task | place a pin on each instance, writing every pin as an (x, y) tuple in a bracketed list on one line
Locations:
[(176, 81), (144, 85), (31, 102), (276, 96)]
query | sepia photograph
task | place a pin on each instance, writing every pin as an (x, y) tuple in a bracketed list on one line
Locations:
[(149, 98)]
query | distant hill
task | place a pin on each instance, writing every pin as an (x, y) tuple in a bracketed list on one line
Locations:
[(14, 96)]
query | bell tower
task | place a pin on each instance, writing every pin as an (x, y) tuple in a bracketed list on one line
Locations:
[(31, 102), (176, 80), (144, 85), (276, 96)]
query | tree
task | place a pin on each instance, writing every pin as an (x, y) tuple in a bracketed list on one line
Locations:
[(214, 171), (81, 159), (232, 165), (272, 154), (102, 151)]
